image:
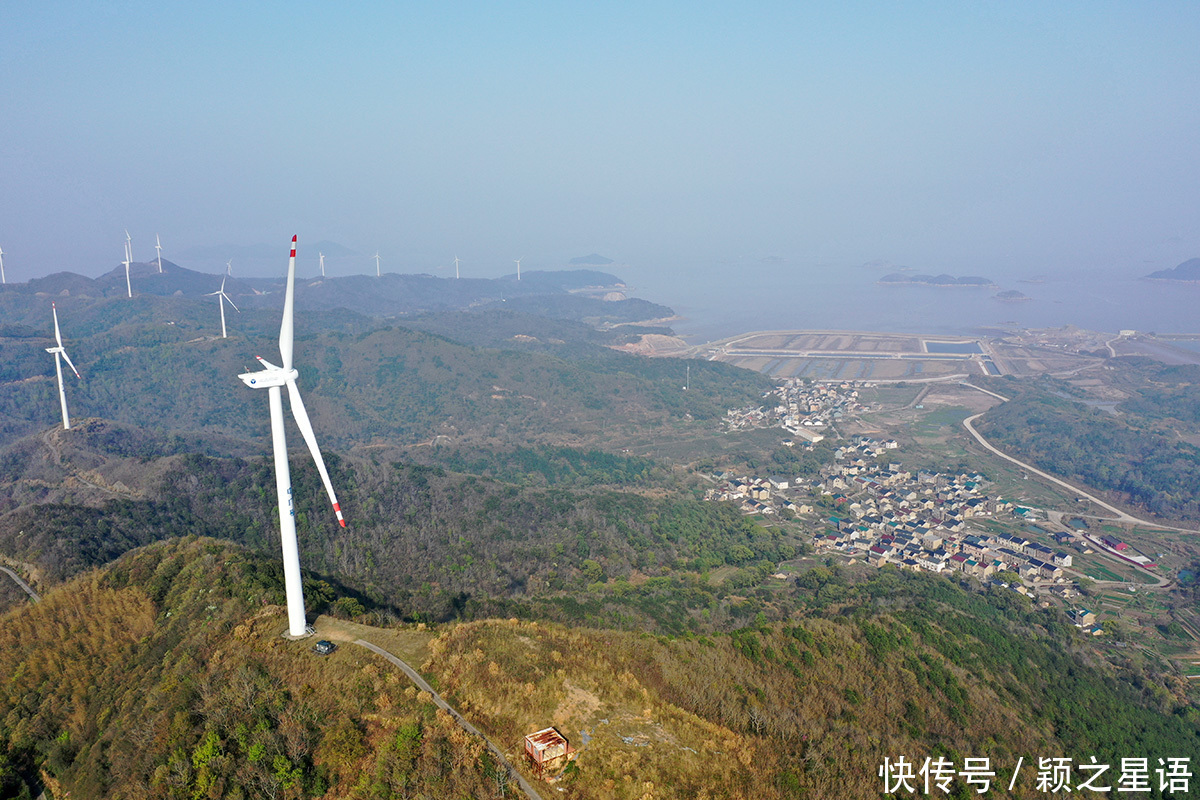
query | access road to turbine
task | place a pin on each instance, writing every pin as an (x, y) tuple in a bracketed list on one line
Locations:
[(424, 686), (28, 589)]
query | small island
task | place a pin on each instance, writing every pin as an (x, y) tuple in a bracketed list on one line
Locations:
[(593, 260), (970, 281), (1188, 271), (1011, 296)]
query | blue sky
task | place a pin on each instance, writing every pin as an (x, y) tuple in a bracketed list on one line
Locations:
[(677, 138)]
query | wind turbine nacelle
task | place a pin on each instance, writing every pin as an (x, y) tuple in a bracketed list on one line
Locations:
[(267, 378)]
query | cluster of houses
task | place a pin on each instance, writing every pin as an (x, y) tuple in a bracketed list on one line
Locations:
[(886, 514), (766, 496), (807, 406), (803, 408), (978, 554), (748, 417)]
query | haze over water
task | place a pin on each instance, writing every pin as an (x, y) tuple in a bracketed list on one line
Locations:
[(851, 300), (685, 140)]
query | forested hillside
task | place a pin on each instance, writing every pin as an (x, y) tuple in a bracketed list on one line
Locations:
[(164, 676), (423, 541), (154, 362), (1136, 454)]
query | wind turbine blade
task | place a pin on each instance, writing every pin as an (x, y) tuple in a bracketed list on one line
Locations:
[(57, 334), (72, 366), (222, 289), (227, 300), (310, 439), (286, 331)]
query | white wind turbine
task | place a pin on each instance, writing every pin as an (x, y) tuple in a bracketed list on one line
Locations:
[(128, 258), (221, 298), (322, 259), (519, 268), (129, 244), (377, 273), (158, 249), (229, 267), (59, 351), (456, 268), (272, 378), (2, 278)]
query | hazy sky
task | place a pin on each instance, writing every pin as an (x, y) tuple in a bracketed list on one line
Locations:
[(985, 137)]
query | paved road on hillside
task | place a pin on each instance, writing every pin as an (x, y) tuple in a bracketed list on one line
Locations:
[(28, 589), (1121, 515), (424, 686)]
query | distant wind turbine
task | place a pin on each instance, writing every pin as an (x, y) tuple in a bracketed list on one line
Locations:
[(377, 272), (322, 257), (519, 268), (128, 258), (59, 351), (221, 298), (2, 278), (229, 267), (129, 244), (158, 249), (456, 268), (687, 377), (273, 378)]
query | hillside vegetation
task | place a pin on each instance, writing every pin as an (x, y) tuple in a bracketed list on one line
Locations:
[(428, 543), (164, 675), (1136, 455), (154, 362)]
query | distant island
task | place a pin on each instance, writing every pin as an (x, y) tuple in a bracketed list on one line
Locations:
[(1187, 271), (901, 279), (593, 260), (1011, 296)]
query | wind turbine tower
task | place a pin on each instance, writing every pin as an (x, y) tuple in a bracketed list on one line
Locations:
[(519, 268), (273, 378), (2, 278), (128, 258), (158, 249), (378, 274), (456, 268), (221, 298), (229, 267), (59, 351), (322, 259), (687, 377)]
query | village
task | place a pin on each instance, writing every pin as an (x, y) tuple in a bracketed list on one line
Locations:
[(865, 507), (804, 408)]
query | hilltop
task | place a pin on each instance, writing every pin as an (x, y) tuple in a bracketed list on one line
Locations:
[(166, 675)]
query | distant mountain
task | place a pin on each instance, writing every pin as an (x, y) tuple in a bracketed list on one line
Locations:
[(595, 259), (560, 294), (144, 276), (901, 279), (1187, 271)]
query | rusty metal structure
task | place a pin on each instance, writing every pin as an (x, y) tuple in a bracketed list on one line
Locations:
[(547, 750)]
